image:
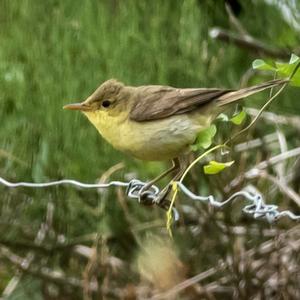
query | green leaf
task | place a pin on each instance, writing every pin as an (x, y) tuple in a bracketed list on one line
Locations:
[(260, 64), (223, 117), (204, 139), (294, 59), (283, 70), (239, 118), (215, 167), (286, 69)]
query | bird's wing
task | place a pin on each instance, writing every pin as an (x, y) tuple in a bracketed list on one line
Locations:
[(158, 102)]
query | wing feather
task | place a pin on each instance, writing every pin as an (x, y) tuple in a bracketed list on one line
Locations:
[(158, 102)]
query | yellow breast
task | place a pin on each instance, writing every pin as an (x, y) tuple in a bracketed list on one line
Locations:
[(153, 140)]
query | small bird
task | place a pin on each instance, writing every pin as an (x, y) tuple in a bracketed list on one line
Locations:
[(155, 122)]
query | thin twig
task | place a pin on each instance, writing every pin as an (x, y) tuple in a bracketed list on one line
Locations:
[(255, 143), (254, 171), (258, 115), (264, 248), (283, 187), (41, 234), (272, 118), (234, 21), (249, 43), (44, 273)]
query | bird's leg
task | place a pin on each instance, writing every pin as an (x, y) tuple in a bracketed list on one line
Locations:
[(175, 167), (161, 198)]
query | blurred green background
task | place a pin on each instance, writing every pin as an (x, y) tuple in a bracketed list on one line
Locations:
[(54, 52)]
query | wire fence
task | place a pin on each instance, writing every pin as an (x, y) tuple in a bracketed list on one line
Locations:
[(257, 207)]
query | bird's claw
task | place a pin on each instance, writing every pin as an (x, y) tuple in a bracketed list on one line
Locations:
[(150, 195), (147, 198), (161, 199)]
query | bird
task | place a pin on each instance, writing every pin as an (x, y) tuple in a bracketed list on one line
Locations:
[(156, 122)]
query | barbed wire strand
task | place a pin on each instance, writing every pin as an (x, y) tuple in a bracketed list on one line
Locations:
[(257, 207)]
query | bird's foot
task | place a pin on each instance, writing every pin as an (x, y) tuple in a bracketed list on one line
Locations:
[(162, 198), (147, 194), (148, 197)]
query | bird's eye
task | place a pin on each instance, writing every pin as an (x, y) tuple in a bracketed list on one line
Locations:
[(106, 103)]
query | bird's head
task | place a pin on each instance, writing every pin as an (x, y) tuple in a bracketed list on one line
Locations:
[(108, 100)]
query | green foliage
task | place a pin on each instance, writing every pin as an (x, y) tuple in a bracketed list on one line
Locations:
[(260, 64), (287, 69), (223, 117), (205, 137), (29, 288), (239, 118), (284, 70), (215, 167)]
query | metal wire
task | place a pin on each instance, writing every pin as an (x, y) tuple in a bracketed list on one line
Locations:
[(61, 182), (257, 207)]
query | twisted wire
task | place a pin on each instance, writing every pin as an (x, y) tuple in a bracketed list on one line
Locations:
[(257, 207)]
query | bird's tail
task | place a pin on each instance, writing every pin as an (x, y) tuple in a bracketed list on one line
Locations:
[(233, 96)]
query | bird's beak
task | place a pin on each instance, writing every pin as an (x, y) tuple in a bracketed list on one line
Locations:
[(78, 106)]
